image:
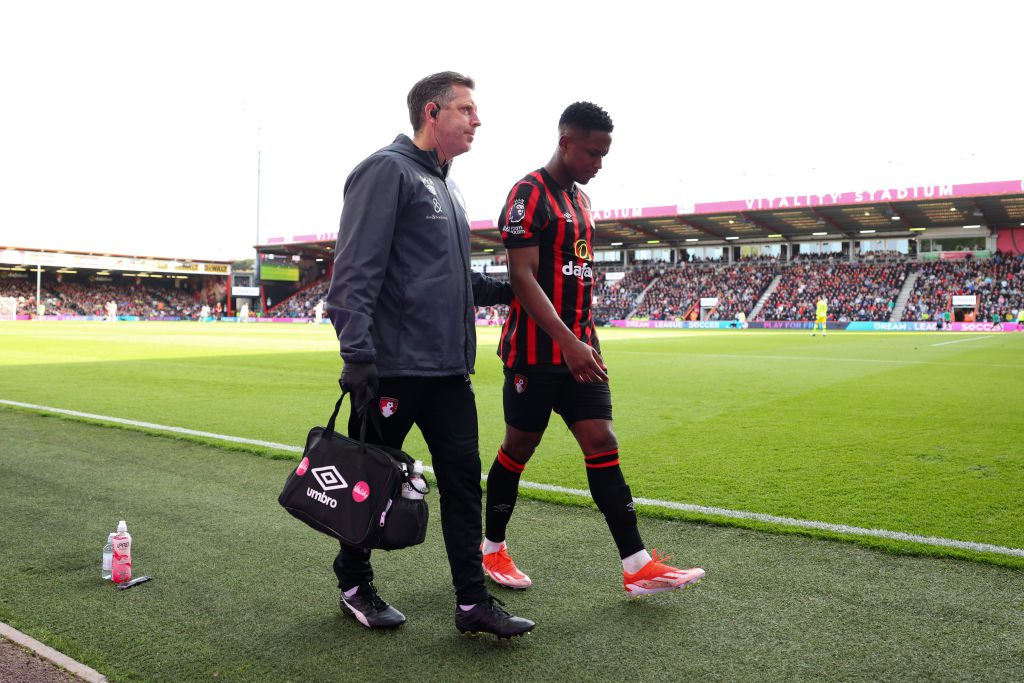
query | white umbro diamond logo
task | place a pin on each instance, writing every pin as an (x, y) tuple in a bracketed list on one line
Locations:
[(329, 478)]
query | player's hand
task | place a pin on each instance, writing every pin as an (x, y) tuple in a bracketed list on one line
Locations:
[(360, 379), (585, 363)]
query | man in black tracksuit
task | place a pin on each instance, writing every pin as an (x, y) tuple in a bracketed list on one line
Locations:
[(401, 300)]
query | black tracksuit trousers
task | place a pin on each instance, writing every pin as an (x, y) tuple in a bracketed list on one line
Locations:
[(444, 409)]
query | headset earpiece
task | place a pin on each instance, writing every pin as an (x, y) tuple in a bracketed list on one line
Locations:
[(433, 112)]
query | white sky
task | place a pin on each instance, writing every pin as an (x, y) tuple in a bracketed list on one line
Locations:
[(132, 127)]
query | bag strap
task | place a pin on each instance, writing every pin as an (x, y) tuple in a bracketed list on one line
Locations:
[(366, 416)]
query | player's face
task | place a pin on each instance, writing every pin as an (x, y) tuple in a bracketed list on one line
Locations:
[(583, 153), (456, 123)]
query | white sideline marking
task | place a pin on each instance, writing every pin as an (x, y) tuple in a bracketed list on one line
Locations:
[(958, 341), (46, 652), (671, 505), (155, 427)]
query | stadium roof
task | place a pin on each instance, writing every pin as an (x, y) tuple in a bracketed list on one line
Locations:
[(866, 214)]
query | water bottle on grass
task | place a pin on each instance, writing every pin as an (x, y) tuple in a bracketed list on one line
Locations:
[(108, 559), (121, 565)]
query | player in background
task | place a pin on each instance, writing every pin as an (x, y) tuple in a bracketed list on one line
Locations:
[(318, 312), (820, 316), (1020, 319), (243, 313), (551, 355)]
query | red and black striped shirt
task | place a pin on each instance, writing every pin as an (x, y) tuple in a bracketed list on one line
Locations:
[(540, 213)]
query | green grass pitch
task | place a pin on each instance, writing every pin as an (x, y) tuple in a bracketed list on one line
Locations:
[(914, 433), (911, 433)]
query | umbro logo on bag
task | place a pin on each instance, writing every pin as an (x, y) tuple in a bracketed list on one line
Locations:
[(329, 478)]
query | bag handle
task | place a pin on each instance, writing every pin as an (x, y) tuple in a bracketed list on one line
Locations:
[(365, 415)]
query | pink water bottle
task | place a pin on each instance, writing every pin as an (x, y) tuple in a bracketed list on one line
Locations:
[(122, 564)]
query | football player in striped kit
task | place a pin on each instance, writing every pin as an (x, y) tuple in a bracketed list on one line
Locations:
[(551, 355)]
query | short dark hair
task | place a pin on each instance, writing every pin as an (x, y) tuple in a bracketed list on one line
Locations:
[(586, 116), (434, 88)]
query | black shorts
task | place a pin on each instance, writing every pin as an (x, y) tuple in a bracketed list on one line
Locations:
[(529, 396)]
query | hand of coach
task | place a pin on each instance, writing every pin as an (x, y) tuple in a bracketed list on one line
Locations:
[(360, 379)]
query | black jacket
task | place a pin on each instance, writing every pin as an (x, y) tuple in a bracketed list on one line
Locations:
[(402, 293)]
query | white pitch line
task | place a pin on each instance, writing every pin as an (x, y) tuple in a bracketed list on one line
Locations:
[(960, 341), (671, 505)]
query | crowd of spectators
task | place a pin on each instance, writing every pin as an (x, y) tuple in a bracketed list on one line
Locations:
[(676, 294), (998, 282), (882, 255), (614, 300), (866, 289), (302, 303), (855, 291), (145, 299)]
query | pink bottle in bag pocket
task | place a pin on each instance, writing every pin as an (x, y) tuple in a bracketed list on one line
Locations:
[(122, 562)]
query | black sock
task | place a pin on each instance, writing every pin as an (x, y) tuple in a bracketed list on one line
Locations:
[(614, 499), (502, 491)]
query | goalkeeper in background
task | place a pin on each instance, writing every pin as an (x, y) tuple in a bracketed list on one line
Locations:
[(820, 316)]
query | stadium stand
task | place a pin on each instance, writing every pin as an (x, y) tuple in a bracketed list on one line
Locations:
[(301, 304), (998, 282), (855, 291), (616, 300), (677, 292), (867, 289), (147, 300)]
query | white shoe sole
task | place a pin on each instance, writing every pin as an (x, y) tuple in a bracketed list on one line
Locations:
[(507, 582), (634, 590)]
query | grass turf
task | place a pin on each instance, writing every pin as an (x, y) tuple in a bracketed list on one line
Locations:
[(243, 592), (903, 432)]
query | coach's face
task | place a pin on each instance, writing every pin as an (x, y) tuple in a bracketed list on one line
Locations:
[(583, 152), (456, 123)]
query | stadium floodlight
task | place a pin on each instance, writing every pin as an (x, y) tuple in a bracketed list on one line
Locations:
[(653, 241), (615, 244), (774, 235), (971, 227), (895, 218), (918, 229), (819, 234), (732, 238), (694, 239), (867, 232)]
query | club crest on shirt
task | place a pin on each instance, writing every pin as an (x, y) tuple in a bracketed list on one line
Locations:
[(428, 183), (388, 406), (520, 384)]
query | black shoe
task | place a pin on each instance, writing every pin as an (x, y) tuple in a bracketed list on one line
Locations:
[(367, 607), (488, 617)]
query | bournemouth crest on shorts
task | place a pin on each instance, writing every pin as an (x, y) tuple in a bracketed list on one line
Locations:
[(520, 384), (388, 406)]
